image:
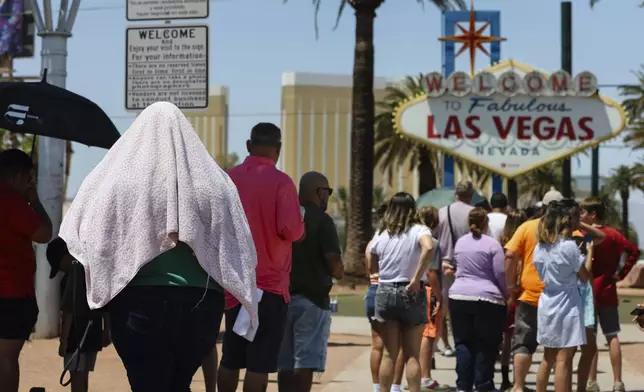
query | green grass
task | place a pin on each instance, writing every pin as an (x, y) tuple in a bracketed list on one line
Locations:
[(626, 306), (353, 305)]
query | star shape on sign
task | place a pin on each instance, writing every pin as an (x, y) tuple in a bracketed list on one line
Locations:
[(472, 38)]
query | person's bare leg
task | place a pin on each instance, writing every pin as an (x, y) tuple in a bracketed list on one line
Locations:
[(588, 352), (399, 369), (391, 340), (427, 345), (227, 379), (522, 364), (593, 366), (209, 368), (377, 348), (545, 368), (299, 380), (9, 365), (615, 351), (255, 382), (505, 360), (80, 381), (563, 369), (411, 338), (444, 332), (286, 380)]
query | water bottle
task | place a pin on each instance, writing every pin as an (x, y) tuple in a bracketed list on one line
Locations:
[(334, 305)]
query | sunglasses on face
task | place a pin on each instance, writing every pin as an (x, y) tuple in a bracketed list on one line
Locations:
[(330, 190)]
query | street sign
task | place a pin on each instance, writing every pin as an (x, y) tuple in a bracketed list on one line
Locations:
[(167, 9), (166, 63)]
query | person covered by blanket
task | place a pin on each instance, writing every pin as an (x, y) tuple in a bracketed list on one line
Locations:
[(272, 207), (160, 232), (23, 220)]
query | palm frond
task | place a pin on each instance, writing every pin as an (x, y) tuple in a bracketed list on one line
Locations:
[(443, 5)]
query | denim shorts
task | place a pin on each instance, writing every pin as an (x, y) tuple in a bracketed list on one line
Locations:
[(394, 303), (370, 302), (305, 336)]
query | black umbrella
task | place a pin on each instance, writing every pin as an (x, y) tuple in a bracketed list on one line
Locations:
[(42, 109)]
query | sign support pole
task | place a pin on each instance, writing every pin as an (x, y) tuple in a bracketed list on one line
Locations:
[(51, 156), (594, 172), (566, 65)]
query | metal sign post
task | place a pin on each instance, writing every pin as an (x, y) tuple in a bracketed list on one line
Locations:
[(51, 155)]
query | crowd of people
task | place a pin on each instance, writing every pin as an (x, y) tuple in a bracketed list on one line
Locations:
[(160, 245), (508, 281)]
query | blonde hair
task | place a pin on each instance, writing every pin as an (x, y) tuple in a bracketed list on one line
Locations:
[(428, 216), (478, 220), (557, 222), (515, 218), (401, 214)]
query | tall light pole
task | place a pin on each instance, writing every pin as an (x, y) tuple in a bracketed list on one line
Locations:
[(51, 154)]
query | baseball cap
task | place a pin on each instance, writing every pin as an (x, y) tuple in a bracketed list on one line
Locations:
[(552, 195), (56, 250)]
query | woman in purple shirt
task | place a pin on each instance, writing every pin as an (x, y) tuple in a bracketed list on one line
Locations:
[(477, 302)]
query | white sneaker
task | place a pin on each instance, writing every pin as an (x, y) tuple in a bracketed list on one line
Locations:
[(592, 386), (448, 352), (619, 387)]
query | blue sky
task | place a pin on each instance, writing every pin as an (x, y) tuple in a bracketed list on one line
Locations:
[(252, 42)]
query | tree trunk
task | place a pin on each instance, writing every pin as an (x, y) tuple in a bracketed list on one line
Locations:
[(625, 196), (426, 172), (359, 230)]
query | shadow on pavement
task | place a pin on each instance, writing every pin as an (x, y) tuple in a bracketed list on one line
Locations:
[(347, 344)]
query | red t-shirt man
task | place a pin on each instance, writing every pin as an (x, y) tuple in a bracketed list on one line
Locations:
[(606, 258), (272, 208)]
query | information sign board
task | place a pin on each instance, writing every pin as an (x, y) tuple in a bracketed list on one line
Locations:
[(166, 9)]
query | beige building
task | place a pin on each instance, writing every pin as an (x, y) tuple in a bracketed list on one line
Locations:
[(212, 124), (316, 127)]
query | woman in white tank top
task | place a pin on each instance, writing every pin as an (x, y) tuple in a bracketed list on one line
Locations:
[(401, 252)]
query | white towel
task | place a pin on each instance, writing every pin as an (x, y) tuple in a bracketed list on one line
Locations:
[(244, 325), (158, 185)]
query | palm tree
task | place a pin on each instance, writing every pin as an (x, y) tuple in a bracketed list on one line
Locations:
[(536, 183), (622, 180), (227, 161), (634, 107), (392, 150), (362, 126)]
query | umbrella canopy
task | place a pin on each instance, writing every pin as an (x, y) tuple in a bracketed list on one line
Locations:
[(42, 109), (441, 197)]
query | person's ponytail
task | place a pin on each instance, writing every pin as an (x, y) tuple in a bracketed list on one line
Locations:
[(476, 232), (478, 222)]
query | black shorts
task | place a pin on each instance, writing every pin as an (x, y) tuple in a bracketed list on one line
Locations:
[(260, 355), (17, 317)]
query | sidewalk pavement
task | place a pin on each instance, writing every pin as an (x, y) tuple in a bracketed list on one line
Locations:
[(356, 376)]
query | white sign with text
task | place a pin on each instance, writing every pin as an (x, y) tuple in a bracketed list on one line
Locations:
[(166, 63), (166, 9), (511, 134)]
